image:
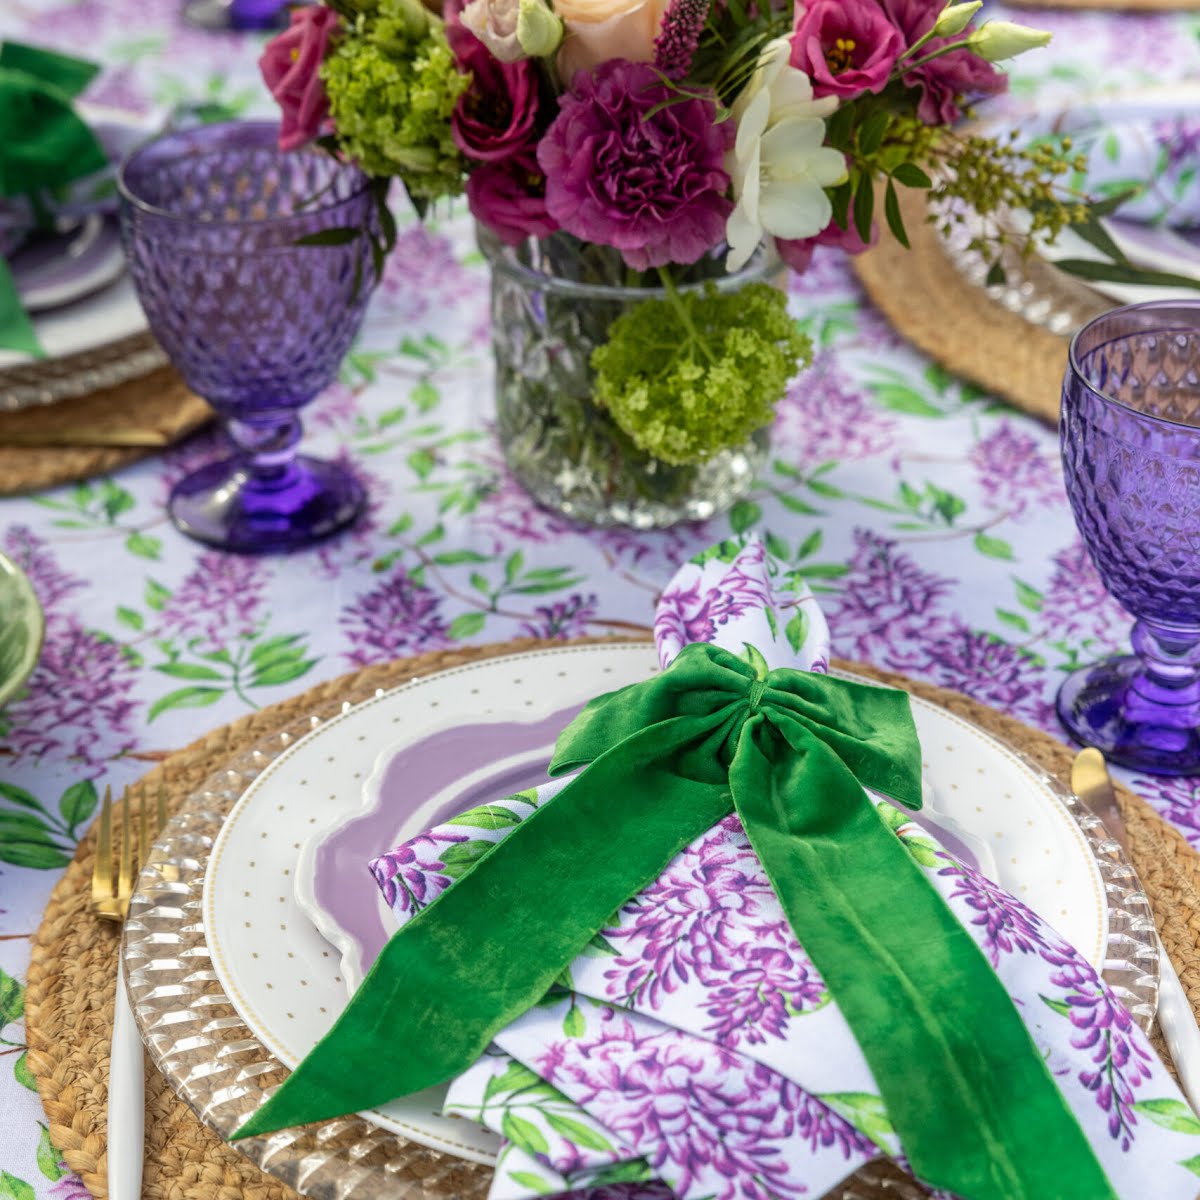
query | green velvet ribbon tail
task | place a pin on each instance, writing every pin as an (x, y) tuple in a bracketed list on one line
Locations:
[(974, 1106), (44, 143)]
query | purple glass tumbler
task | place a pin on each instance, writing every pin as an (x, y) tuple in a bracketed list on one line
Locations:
[(254, 322), (1130, 435)]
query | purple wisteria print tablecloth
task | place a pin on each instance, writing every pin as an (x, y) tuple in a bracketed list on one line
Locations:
[(931, 520)]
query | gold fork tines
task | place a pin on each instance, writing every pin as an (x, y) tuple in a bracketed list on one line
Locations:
[(111, 896)]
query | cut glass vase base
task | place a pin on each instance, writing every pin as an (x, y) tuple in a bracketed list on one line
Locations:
[(1101, 706), (223, 505)]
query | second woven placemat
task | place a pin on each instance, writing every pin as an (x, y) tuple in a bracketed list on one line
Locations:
[(81, 438), (69, 996)]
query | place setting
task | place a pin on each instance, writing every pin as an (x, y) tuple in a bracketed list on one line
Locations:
[(753, 863)]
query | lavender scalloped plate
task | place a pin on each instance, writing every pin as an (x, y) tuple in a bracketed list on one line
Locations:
[(292, 913)]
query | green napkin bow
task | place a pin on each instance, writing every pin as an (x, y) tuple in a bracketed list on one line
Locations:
[(790, 752), (44, 145)]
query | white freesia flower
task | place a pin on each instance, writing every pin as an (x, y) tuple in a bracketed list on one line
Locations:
[(779, 163), (997, 40)]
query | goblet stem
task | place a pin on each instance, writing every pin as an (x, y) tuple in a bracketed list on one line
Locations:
[(1169, 683), (267, 444)]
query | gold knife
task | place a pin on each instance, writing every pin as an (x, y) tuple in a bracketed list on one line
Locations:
[(1091, 783)]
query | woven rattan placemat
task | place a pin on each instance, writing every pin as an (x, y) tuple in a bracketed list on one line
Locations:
[(69, 998), (79, 438), (931, 303)]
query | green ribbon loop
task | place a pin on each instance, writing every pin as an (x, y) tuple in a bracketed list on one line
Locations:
[(975, 1108)]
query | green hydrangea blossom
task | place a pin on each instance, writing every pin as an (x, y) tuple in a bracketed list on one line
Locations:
[(695, 373), (392, 87)]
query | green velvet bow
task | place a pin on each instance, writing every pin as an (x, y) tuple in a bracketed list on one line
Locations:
[(790, 752), (44, 145)]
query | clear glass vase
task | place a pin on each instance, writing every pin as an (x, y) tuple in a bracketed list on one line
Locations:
[(553, 301)]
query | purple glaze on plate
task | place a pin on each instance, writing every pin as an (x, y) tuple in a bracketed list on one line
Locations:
[(59, 269), (343, 885)]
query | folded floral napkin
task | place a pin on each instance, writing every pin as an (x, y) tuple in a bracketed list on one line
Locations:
[(694, 1048)]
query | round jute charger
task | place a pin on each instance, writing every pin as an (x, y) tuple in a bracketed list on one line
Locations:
[(86, 436), (69, 997), (932, 304)]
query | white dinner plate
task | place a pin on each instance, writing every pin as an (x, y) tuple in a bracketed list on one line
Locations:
[(284, 977)]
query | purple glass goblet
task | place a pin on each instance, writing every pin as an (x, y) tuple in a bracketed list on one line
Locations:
[(1130, 434), (255, 323)]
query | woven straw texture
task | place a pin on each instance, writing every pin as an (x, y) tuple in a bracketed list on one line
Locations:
[(69, 998), (46, 445), (929, 301)]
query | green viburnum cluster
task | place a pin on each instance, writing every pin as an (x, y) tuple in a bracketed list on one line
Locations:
[(392, 87), (698, 372)]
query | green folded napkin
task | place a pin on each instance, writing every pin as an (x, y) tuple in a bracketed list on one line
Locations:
[(44, 145)]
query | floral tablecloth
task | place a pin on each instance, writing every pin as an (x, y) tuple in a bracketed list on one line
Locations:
[(931, 518)]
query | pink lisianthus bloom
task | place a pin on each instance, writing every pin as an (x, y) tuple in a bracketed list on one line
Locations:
[(797, 252), (496, 116), (846, 47), (509, 198), (948, 79), (291, 65), (651, 184)]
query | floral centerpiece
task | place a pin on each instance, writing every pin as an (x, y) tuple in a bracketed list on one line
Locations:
[(640, 172)]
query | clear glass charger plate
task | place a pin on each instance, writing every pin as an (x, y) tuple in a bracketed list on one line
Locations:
[(218, 1066)]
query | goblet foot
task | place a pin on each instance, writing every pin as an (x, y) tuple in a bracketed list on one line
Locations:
[(1113, 706), (227, 506), (236, 14)]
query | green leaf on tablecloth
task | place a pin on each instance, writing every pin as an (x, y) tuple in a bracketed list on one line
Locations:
[(78, 802), (131, 617), (280, 648), (824, 570), (1014, 619), (12, 999), (744, 515), (424, 395), (725, 551), (188, 697), (155, 595), (22, 1074), (422, 463), (433, 535), (465, 625), (796, 629), (793, 504), (453, 558), (600, 947), (576, 1131), (826, 489), (282, 672), (20, 796), (515, 1076), (143, 545), (900, 398), (921, 850), (115, 500), (634, 1170), (811, 544), (993, 547), (37, 856), (574, 1026), (1192, 1164), (535, 1183), (48, 1159), (182, 670), (12, 1188), (1029, 597), (777, 546), (1171, 1114), (523, 1134)]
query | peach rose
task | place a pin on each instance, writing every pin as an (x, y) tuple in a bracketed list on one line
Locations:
[(597, 30)]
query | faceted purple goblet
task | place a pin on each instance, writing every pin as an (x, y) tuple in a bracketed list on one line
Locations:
[(255, 323), (1130, 433)]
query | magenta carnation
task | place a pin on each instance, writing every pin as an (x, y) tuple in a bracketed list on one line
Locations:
[(496, 116), (945, 80), (651, 184), (846, 47), (509, 198)]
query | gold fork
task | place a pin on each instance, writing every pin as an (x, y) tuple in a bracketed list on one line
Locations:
[(110, 902)]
